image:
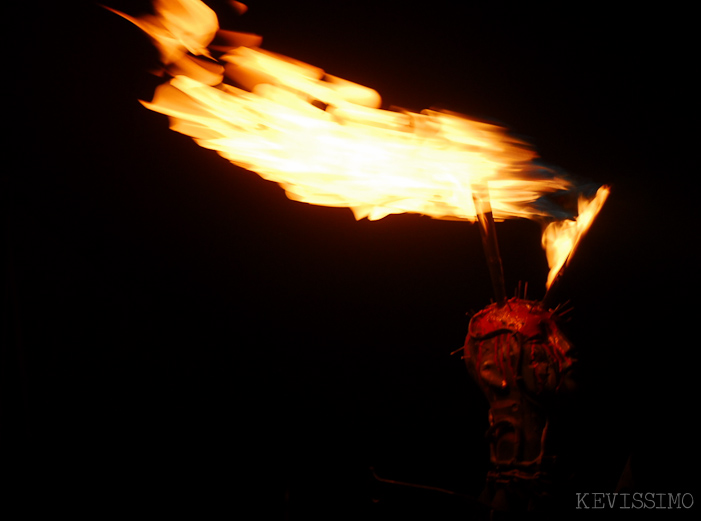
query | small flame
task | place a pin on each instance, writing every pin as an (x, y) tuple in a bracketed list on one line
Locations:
[(561, 238), (326, 140)]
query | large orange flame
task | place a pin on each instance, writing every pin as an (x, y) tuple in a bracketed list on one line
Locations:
[(326, 140)]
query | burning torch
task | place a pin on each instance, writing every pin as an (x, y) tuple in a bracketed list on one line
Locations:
[(523, 364), (327, 141)]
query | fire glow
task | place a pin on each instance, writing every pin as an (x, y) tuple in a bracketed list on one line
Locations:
[(326, 140)]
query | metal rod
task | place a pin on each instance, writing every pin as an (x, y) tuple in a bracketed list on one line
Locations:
[(550, 293), (483, 208)]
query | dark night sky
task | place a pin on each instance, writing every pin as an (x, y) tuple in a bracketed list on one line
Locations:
[(177, 330)]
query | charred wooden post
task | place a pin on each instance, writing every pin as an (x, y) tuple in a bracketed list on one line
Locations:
[(523, 363)]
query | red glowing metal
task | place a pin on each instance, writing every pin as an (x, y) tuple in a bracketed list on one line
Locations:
[(518, 340)]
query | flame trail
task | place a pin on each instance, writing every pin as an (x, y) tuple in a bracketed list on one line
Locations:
[(326, 140)]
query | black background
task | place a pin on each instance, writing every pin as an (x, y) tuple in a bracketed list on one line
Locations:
[(177, 333)]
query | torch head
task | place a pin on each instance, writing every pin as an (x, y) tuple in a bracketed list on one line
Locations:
[(523, 363), (518, 346)]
